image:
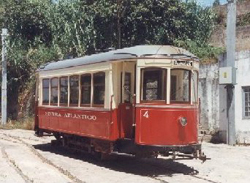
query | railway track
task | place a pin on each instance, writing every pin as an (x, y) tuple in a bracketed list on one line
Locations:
[(15, 139), (14, 166), (154, 169)]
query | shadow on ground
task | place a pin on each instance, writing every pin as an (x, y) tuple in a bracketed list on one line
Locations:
[(128, 164)]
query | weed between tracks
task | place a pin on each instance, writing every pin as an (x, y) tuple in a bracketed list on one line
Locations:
[(25, 123)]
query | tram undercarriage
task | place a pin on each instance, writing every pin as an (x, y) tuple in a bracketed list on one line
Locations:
[(125, 146)]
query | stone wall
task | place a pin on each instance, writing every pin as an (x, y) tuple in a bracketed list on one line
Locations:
[(243, 7), (218, 37)]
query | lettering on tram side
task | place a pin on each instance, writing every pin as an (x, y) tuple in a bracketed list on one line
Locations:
[(72, 115)]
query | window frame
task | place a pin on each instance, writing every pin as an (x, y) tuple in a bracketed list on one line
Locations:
[(164, 87), (244, 102), (197, 88), (70, 104), (69, 89), (190, 94), (60, 86), (48, 91), (56, 87), (93, 89)]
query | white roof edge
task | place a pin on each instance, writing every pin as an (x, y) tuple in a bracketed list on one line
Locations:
[(121, 54)]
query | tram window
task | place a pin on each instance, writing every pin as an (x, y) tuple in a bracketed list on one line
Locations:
[(85, 89), (54, 91), (127, 87), (173, 87), (74, 90), (63, 90), (99, 88), (154, 82), (195, 87), (45, 91), (180, 85)]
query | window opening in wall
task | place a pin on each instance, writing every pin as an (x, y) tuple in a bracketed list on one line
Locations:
[(180, 85), (64, 91), (86, 89), (54, 91), (246, 102), (74, 90), (99, 88), (154, 84), (45, 83)]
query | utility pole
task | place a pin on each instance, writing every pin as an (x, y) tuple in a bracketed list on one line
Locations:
[(231, 37), (4, 78)]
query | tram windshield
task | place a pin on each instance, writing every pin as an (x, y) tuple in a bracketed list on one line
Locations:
[(154, 84), (180, 85), (183, 85)]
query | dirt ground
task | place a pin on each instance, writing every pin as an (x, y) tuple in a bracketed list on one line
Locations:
[(26, 158)]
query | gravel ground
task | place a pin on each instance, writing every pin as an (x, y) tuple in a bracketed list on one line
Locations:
[(26, 158)]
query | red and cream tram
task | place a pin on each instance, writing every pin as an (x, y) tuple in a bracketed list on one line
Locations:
[(140, 100)]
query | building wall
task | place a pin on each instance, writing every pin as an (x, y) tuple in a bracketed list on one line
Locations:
[(214, 98), (209, 96), (243, 79)]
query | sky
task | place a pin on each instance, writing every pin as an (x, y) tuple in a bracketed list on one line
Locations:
[(209, 2)]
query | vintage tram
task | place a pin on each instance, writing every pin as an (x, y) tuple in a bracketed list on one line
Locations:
[(140, 100)]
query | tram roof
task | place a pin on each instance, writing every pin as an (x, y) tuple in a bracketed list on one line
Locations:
[(142, 51)]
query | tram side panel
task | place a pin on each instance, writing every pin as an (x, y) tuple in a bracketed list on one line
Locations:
[(156, 126), (95, 124)]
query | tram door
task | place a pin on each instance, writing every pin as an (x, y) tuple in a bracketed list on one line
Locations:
[(126, 108)]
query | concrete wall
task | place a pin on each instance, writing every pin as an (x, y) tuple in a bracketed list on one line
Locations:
[(214, 98), (243, 79), (209, 96)]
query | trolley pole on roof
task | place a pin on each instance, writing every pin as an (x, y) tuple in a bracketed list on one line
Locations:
[(4, 78), (231, 37)]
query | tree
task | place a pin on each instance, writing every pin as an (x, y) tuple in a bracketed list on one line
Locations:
[(42, 31), (216, 3)]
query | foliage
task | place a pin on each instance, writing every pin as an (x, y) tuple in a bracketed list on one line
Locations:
[(202, 50), (25, 123), (216, 3), (220, 18), (42, 31), (76, 27)]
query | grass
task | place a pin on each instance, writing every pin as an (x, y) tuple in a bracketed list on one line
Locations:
[(26, 124)]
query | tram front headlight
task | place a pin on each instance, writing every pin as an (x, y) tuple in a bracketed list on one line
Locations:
[(183, 121)]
